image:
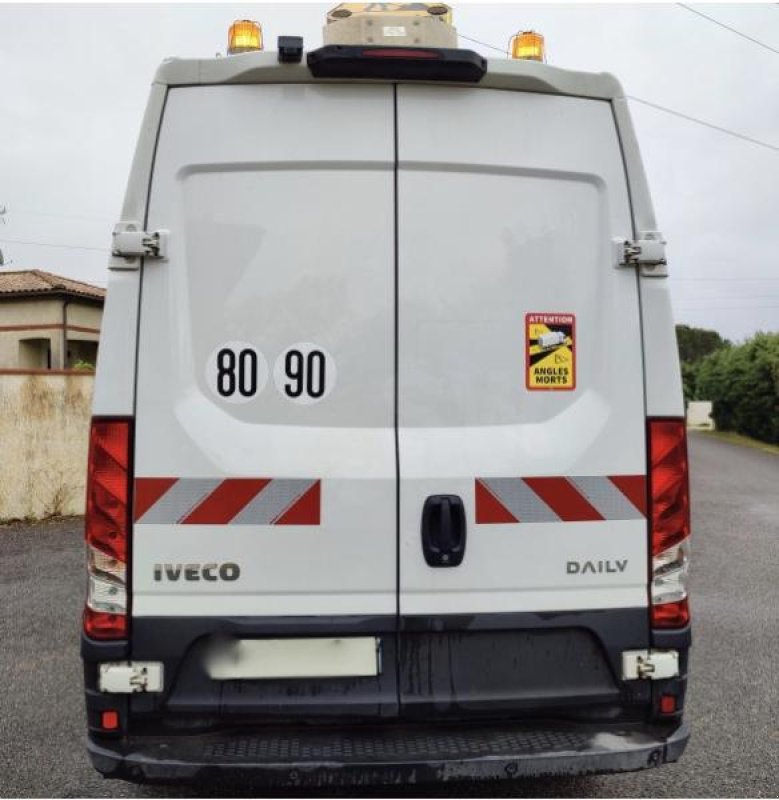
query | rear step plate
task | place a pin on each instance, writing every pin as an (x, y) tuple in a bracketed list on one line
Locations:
[(294, 756)]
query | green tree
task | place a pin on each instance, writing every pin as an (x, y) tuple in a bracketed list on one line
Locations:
[(690, 380), (695, 343), (758, 409)]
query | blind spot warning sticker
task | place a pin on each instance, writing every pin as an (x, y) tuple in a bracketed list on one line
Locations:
[(550, 352)]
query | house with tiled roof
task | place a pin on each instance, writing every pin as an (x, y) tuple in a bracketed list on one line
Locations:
[(47, 321)]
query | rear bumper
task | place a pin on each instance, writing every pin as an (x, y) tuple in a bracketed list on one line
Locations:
[(354, 756)]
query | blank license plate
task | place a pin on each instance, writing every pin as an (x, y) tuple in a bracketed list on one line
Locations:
[(295, 658)]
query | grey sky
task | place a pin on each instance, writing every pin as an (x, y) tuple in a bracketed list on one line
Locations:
[(75, 80)]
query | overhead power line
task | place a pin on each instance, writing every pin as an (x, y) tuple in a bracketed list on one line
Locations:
[(484, 44), (719, 128), (27, 212), (50, 244), (728, 28), (721, 308), (504, 51), (665, 109), (748, 297)]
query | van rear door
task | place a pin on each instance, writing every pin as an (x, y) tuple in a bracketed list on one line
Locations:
[(265, 495), (520, 395)]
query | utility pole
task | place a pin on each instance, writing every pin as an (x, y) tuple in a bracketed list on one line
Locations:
[(3, 212)]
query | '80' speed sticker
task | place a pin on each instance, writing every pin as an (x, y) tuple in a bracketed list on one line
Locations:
[(236, 372), (304, 373)]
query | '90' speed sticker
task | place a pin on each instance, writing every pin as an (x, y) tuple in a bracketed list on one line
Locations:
[(550, 352), (304, 373)]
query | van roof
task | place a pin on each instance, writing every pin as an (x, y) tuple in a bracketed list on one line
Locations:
[(264, 67)]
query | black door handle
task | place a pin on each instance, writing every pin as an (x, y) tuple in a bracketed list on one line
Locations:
[(443, 530)]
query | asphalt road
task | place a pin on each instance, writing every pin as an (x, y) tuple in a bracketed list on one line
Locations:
[(733, 703)]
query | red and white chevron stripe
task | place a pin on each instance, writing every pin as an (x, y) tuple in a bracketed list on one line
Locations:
[(231, 501), (560, 499)]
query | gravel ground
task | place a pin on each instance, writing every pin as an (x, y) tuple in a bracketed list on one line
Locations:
[(732, 702)]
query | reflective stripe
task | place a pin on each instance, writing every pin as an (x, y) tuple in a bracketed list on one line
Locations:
[(523, 503), (226, 501), (562, 496), (559, 499), (610, 502), (232, 501), (182, 497), (271, 503)]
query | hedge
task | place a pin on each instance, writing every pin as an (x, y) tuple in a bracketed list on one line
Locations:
[(743, 384)]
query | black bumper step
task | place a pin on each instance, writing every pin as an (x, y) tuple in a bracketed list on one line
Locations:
[(311, 757)]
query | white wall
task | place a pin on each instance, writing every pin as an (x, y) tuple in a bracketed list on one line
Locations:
[(44, 430), (699, 414)]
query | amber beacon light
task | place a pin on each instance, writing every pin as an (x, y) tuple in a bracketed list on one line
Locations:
[(243, 37), (528, 46)]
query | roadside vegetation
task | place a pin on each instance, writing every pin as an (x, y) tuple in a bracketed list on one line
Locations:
[(742, 381)]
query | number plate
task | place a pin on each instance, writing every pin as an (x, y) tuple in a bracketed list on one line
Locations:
[(294, 658)]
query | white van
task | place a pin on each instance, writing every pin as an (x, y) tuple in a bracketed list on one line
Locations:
[(387, 474)]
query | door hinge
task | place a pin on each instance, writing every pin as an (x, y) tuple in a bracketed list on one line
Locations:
[(129, 243), (649, 664), (129, 677), (646, 252)]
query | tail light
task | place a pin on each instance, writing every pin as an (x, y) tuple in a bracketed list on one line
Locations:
[(669, 517), (107, 528)]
